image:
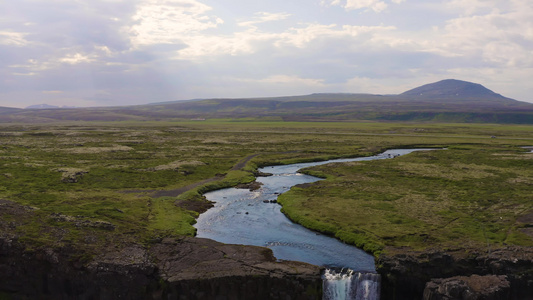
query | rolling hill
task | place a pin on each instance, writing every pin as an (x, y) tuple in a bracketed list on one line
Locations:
[(444, 101)]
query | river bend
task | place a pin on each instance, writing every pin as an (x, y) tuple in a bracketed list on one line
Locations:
[(240, 216)]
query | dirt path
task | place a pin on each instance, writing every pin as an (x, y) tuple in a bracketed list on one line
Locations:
[(243, 162), (181, 190)]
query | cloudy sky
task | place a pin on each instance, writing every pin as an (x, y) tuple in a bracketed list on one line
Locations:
[(119, 52)]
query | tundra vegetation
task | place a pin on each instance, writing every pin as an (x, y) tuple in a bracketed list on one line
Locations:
[(94, 184)]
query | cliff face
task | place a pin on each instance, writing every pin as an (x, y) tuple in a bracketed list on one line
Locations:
[(488, 287), (186, 269), (458, 274)]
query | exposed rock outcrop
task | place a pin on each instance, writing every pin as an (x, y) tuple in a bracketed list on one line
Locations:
[(252, 186), (405, 273), (81, 221), (71, 175), (189, 268), (475, 287)]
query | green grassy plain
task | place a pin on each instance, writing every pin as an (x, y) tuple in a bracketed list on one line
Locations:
[(78, 176), (468, 196)]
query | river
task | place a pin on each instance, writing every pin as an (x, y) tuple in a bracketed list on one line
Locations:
[(240, 216)]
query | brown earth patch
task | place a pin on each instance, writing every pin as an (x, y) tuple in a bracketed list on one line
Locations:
[(243, 162), (527, 231), (527, 218), (199, 206)]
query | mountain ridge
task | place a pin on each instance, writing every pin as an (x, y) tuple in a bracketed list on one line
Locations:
[(448, 100)]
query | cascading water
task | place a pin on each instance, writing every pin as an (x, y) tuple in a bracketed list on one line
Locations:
[(350, 285)]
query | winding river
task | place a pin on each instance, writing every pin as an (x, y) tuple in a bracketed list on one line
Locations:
[(240, 216)]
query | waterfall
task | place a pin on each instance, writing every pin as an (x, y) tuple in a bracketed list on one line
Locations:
[(350, 285)]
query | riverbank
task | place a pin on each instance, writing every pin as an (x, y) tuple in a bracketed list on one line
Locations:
[(431, 216)]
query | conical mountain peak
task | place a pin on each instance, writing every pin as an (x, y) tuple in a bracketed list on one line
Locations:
[(452, 88)]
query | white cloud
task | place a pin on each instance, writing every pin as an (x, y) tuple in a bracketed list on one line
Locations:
[(288, 80), (155, 50), (501, 36), (211, 47), (301, 36), (170, 21), (373, 5), (54, 61), (76, 58), (262, 17), (252, 40), (13, 38), (470, 7)]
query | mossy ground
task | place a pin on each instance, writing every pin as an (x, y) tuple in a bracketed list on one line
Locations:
[(109, 171), (466, 196)]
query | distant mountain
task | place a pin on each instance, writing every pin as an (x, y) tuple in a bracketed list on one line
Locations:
[(47, 106), (448, 100), (41, 106), (452, 89)]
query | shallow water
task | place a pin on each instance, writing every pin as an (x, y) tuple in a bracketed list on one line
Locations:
[(240, 216)]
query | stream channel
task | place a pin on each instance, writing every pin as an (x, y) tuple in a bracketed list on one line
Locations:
[(241, 216)]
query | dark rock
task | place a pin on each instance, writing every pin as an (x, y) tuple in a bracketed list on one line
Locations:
[(262, 174), (188, 268), (252, 186), (475, 287), (405, 273), (71, 175)]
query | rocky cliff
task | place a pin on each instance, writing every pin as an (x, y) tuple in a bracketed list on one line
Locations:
[(475, 287), (171, 268), (505, 273), (187, 268), (194, 268)]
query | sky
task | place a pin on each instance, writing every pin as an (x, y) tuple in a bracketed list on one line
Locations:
[(125, 52)]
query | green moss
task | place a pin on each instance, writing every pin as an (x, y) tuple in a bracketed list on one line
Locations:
[(407, 201), (464, 196), (166, 219)]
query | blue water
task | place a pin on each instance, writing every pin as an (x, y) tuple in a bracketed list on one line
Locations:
[(241, 217)]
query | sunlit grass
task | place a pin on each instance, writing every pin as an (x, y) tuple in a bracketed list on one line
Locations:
[(109, 171)]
